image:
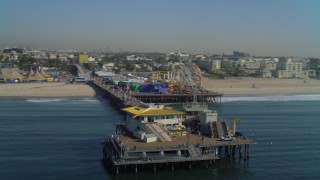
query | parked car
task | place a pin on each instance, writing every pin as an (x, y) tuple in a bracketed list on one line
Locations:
[(227, 138)]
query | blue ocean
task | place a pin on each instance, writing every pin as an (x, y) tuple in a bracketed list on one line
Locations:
[(59, 138)]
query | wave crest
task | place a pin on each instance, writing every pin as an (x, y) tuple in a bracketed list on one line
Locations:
[(43, 100), (300, 97), (69, 100)]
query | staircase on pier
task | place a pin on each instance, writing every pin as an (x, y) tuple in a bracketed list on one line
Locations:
[(218, 129), (222, 129), (214, 129), (159, 132)]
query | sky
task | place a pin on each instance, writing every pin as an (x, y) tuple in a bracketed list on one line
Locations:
[(266, 28)]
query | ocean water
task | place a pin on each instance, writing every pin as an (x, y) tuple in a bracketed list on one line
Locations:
[(59, 138)]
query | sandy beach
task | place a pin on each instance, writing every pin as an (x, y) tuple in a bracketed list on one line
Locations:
[(231, 86), (54, 89), (238, 86)]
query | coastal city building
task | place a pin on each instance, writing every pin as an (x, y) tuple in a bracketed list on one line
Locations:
[(227, 64), (249, 64), (209, 65), (268, 64), (290, 69), (83, 58), (220, 66)]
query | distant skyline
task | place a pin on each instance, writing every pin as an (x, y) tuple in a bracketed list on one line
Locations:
[(266, 28)]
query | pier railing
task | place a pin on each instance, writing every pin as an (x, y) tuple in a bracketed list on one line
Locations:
[(122, 96)]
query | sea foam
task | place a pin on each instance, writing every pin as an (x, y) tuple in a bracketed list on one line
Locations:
[(44, 100), (68, 100), (278, 97)]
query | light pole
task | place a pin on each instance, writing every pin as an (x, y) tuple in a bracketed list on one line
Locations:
[(120, 151), (157, 143)]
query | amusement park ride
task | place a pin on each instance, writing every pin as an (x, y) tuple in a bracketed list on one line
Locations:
[(185, 79)]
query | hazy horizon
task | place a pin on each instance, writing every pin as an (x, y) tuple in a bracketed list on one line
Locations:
[(266, 28)]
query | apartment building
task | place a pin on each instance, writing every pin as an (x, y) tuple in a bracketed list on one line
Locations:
[(83, 58), (209, 65), (287, 68), (268, 64)]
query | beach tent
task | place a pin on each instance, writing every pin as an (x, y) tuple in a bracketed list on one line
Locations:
[(146, 87), (30, 73), (11, 75), (44, 74), (135, 87), (160, 87), (162, 91), (37, 77)]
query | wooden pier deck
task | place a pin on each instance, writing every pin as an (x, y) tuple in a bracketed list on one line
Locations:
[(130, 98), (122, 99), (178, 98), (179, 142), (123, 150)]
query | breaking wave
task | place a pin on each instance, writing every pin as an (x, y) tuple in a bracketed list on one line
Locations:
[(67, 100), (44, 100), (300, 97)]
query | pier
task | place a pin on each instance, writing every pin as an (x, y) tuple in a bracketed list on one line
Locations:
[(159, 137), (130, 98), (121, 98), (178, 98), (122, 152), (156, 137)]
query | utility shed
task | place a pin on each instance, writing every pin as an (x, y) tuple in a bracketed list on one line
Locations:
[(208, 116), (139, 134), (150, 138)]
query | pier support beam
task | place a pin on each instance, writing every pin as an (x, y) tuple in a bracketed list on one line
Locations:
[(230, 153), (245, 152), (104, 154), (233, 152)]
